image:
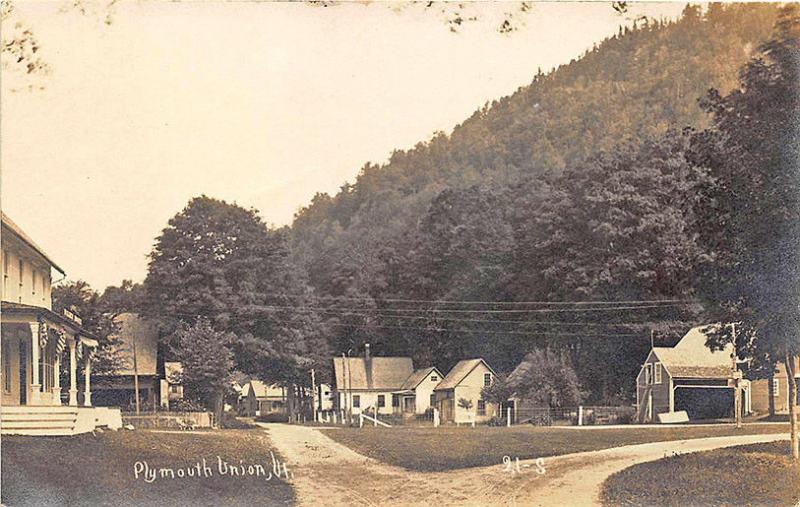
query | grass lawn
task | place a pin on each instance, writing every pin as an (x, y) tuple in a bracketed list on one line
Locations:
[(99, 470), (447, 448), (759, 474)]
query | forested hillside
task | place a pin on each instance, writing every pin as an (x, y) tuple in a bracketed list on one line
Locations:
[(574, 188)]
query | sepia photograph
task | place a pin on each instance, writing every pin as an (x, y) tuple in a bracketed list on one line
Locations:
[(399, 253)]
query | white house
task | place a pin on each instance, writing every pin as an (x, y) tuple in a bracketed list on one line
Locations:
[(416, 394), (466, 381), (368, 383), (262, 399), (33, 338), (171, 386)]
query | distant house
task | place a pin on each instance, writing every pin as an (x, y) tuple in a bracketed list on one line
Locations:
[(690, 377), (263, 399), (171, 387), (137, 349), (416, 394), (465, 380), (324, 397), (368, 383), (774, 391)]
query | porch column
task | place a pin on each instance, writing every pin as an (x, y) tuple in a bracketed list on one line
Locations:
[(73, 374), (56, 396), (36, 384), (87, 373)]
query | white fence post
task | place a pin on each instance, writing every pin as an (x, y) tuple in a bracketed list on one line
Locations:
[(435, 418), (360, 420), (580, 415), (508, 412)]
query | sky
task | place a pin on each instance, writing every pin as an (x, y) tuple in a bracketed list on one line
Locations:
[(261, 104)]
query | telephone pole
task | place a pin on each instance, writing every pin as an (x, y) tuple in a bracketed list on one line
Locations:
[(135, 373), (737, 393), (313, 395)]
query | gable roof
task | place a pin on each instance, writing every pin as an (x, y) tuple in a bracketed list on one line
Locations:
[(377, 373), (17, 231), (262, 390), (460, 372), (418, 376), (691, 358)]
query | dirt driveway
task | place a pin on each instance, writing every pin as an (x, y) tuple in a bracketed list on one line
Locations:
[(328, 473)]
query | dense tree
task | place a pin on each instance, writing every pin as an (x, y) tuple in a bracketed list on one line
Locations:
[(220, 262), (538, 196), (546, 378), (207, 363), (752, 207), (96, 318)]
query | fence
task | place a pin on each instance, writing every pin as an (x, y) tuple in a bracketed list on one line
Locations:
[(170, 420), (340, 417), (569, 416)]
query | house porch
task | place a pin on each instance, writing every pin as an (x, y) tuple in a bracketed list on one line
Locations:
[(33, 340)]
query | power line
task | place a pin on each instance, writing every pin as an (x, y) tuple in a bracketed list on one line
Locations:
[(489, 331), (460, 310), (484, 302), (494, 321)]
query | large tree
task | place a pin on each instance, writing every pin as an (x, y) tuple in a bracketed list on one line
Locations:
[(752, 207), (220, 262)]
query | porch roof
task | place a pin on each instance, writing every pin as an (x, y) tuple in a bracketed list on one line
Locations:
[(38, 312)]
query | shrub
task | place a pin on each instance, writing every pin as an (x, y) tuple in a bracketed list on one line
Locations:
[(274, 417), (186, 405), (230, 422), (541, 419), (496, 421)]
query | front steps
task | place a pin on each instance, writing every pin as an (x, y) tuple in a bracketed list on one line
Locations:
[(47, 420)]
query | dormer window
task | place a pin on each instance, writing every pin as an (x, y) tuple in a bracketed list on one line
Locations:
[(487, 379)]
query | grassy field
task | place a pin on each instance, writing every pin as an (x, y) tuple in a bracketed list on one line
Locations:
[(760, 474), (100, 470), (447, 448)]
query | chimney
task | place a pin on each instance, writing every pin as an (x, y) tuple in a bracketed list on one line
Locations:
[(366, 351)]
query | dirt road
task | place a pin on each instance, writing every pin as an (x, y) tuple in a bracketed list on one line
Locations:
[(328, 473)]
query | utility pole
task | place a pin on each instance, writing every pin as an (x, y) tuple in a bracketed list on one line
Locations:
[(135, 372), (737, 394), (344, 382), (313, 395)]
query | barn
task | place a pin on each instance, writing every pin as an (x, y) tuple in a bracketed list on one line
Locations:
[(690, 377)]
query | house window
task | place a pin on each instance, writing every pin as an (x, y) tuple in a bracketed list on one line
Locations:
[(776, 387), (434, 378), (487, 379), (648, 374), (395, 400), (481, 407), (174, 389), (656, 373), (381, 400), (433, 399), (356, 401)]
